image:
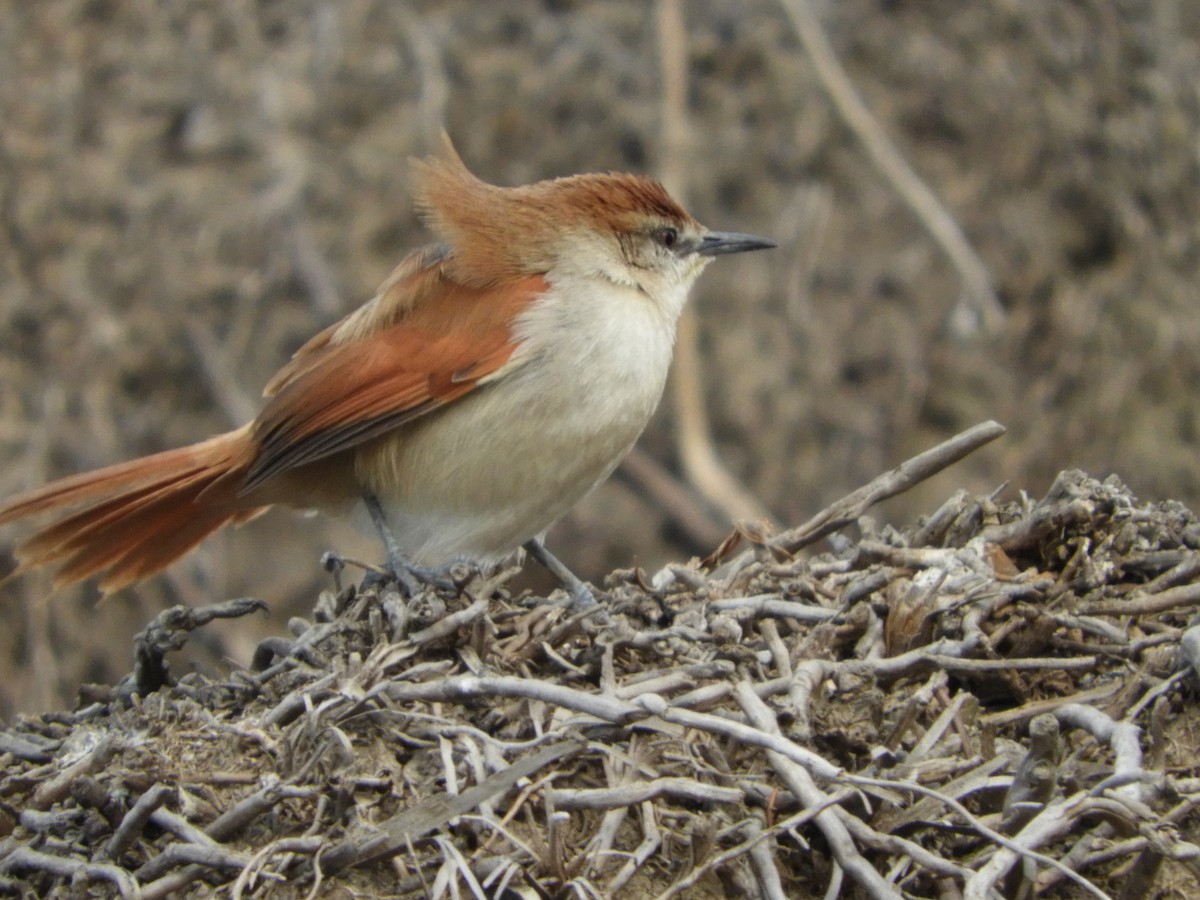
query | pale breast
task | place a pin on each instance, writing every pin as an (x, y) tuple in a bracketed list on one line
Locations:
[(501, 465)]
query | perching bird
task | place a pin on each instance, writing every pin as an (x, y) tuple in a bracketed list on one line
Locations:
[(494, 380)]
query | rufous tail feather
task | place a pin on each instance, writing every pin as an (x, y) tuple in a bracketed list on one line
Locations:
[(129, 521)]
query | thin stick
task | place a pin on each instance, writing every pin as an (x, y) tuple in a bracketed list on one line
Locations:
[(1011, 845), (800, 782), (906, 475), (697, 454), (938, 221)]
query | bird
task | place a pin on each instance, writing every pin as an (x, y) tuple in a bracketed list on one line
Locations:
[(496, 377)]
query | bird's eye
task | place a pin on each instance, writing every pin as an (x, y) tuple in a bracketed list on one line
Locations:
[(666, 236)]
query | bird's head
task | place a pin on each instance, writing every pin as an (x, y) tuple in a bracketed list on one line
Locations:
[(615, 226)]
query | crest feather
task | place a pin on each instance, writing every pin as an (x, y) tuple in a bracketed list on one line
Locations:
[(497, 234)]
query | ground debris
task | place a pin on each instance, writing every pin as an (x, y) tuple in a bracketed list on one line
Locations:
[(995, 701)]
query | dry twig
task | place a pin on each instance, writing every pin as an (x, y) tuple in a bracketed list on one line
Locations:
[(587, 757)]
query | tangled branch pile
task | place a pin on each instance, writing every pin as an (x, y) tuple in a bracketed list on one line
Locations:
[(996, 701)]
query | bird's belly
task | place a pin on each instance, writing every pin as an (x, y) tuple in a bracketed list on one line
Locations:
[(477, 479)]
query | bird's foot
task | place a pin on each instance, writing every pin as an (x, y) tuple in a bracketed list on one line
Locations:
[(408, 576), (411, 577), (581, 594)]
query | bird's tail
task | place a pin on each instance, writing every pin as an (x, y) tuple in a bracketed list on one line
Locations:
[(129, 521)]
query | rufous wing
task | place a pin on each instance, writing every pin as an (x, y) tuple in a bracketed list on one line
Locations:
[(367, 376)]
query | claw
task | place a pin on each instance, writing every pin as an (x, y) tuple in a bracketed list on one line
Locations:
[(581, 595), (408, 576)]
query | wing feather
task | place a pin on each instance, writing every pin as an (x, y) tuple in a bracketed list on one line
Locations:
[(363, 377)]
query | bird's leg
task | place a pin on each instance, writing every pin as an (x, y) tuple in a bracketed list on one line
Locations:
[(581, 594), (408, 576)]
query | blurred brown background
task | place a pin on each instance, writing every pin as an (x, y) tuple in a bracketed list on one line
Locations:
[(189, 189)]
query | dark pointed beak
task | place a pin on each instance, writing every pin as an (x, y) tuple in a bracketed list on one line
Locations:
[(716, 243)]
